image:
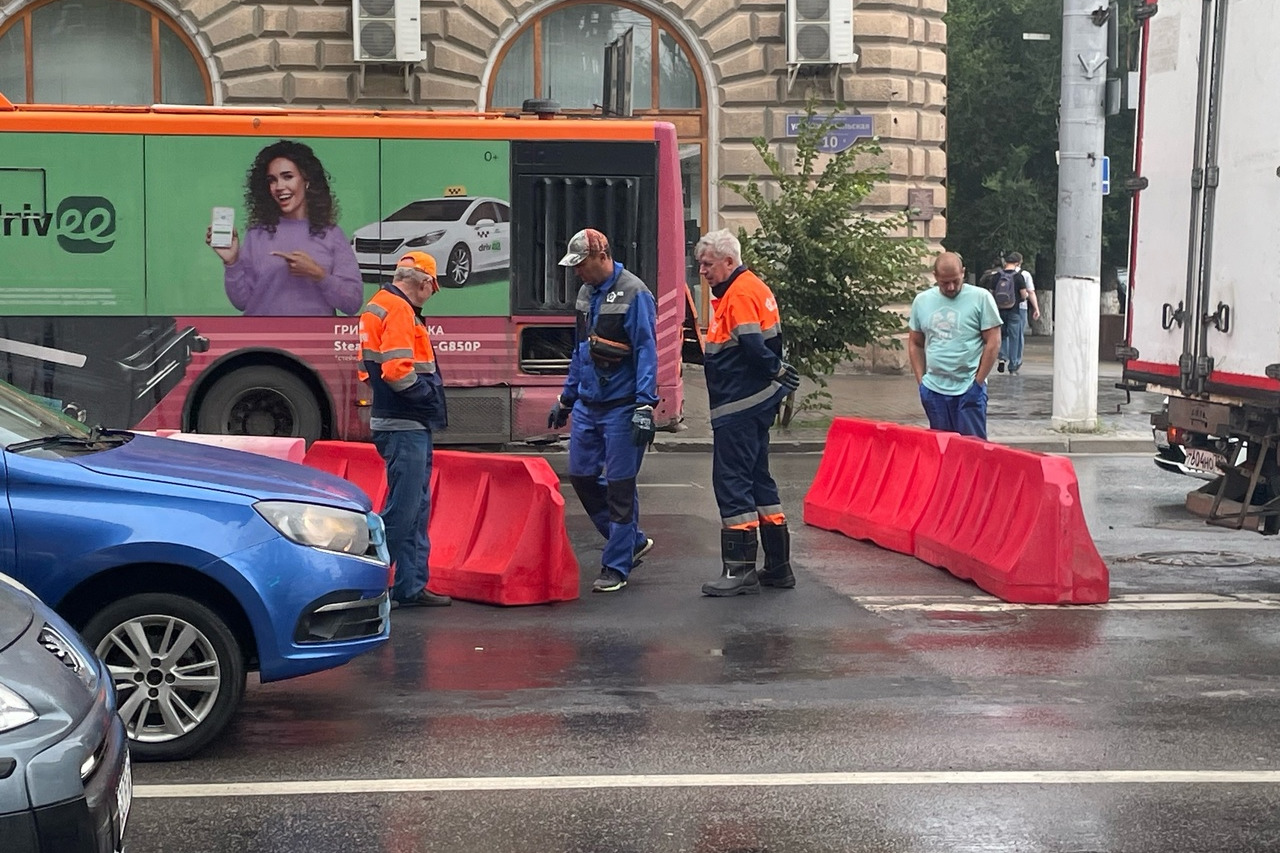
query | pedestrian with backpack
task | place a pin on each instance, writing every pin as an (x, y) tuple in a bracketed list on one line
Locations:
[(1009, 287)]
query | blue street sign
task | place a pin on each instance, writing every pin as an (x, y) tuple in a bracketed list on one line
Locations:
[(1106, 175), (840, 136)]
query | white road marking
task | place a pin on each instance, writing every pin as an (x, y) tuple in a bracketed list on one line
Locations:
[(990, 604), (710, 780)]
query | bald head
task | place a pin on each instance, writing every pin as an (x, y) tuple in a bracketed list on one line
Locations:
[(948, 272)]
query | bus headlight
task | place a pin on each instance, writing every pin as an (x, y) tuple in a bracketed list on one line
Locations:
[(325, 527)]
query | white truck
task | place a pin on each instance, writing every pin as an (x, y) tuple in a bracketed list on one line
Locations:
[(1204, 287)]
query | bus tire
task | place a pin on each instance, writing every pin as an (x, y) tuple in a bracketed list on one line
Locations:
[(260, 400), (458, 271)]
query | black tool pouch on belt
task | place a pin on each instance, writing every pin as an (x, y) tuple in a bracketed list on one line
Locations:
[(607, 354)]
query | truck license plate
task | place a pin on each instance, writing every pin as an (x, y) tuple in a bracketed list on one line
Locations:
[(1205, 461)]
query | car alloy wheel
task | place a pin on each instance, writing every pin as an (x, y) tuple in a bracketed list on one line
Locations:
[(177, 669)]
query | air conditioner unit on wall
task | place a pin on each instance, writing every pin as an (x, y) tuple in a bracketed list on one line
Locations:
[(387, 30), (820, 32)]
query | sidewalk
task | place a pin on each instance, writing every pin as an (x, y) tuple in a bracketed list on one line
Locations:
[(1019, 412)]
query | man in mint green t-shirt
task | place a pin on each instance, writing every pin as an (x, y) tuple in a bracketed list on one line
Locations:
[(953, 344)]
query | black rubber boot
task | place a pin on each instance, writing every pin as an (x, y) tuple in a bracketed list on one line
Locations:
[(775, 540), (738, 552)]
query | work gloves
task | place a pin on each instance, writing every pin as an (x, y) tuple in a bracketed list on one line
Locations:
[(642, 430), (559, 415), (788, 376)]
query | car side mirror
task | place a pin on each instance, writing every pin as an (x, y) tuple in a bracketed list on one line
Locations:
[(484, 222)]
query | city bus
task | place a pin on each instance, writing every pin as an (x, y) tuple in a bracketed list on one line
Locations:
[(138, 291)]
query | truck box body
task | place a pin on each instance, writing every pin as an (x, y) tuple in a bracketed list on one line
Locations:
[(1208, 224), (1204, 300)]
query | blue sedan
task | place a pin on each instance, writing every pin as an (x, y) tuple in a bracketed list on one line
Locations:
[(185, 566)]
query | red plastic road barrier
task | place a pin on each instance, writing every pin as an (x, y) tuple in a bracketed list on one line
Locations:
[(497, 530), (497, 521), (354, 461), (875, 480), (1010, 521), (277, 447)]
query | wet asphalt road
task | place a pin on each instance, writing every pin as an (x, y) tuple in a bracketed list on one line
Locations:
[(696, 716)]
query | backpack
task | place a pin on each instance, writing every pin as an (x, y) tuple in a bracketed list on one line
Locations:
[(1005, 289)]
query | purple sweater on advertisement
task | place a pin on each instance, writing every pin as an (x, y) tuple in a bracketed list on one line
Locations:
[(260, 284)]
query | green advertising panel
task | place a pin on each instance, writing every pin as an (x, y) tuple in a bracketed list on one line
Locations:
[(71, 226), (450, 199), (187, 177), (229, 225)]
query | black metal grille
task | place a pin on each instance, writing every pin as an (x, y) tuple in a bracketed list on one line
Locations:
[(560, 188)]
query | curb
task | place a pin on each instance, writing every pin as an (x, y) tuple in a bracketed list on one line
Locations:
[(1119, 444)]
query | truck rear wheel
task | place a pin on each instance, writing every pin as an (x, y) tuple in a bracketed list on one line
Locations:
[(260, 400)]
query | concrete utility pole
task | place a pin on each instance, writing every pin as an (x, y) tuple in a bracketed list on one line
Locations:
[(1077, 287)]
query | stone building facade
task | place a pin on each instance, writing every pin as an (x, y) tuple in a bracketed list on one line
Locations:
[(302, 54)]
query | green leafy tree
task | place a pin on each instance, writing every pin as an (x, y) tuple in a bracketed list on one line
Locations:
[(1002, 134), (835, 266)]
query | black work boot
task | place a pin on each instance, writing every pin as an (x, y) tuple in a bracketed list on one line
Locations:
[(775, 539), (738, 552)]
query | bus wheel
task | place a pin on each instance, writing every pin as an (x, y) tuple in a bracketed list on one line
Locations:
[(458, 271), (260, 400)]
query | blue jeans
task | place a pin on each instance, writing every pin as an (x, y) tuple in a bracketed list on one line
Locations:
[(603, 464), (408, 508), (964, 413), (1013, 323)]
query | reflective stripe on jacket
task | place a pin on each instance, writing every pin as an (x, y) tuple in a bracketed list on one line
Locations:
[(743, 349), (398, 362)]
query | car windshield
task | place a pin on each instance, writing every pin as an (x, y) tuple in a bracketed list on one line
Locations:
[(432, 210)]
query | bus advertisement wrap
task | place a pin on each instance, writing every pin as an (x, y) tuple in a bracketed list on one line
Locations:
[(205, 271)]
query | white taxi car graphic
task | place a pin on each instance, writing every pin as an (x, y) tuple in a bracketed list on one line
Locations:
[(465, 234)]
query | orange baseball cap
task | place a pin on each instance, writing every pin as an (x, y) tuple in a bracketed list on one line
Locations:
[(424, 263)]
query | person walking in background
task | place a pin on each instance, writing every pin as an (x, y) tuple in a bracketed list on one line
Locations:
[(294, 260), (1008, 290), (953, 343), (1016, 350), (747, 381), (408, 403), (610, 393)]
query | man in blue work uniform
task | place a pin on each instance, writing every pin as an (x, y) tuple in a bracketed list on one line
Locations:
[(611, 390)]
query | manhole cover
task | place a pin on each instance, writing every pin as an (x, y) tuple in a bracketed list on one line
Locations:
[(1208, 559)]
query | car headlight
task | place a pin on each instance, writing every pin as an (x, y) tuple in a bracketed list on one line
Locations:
[(14, 710), (425, 239), (324, 527)]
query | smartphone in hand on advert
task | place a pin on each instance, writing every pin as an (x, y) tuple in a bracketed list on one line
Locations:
[(224, 223)]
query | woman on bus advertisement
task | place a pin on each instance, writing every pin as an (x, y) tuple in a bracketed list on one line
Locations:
[(295, 260)]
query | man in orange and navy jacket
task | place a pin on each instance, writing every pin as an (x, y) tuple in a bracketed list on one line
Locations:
[(747, 380), (408, 403)]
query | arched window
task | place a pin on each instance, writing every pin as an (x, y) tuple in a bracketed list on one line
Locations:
[(99, 52), (560, 55)]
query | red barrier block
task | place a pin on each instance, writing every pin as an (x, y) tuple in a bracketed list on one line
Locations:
[(497, 530), (875, 480), (354, 461), (1010, 521)]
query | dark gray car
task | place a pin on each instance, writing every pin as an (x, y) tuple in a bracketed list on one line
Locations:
[(65, 779)]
